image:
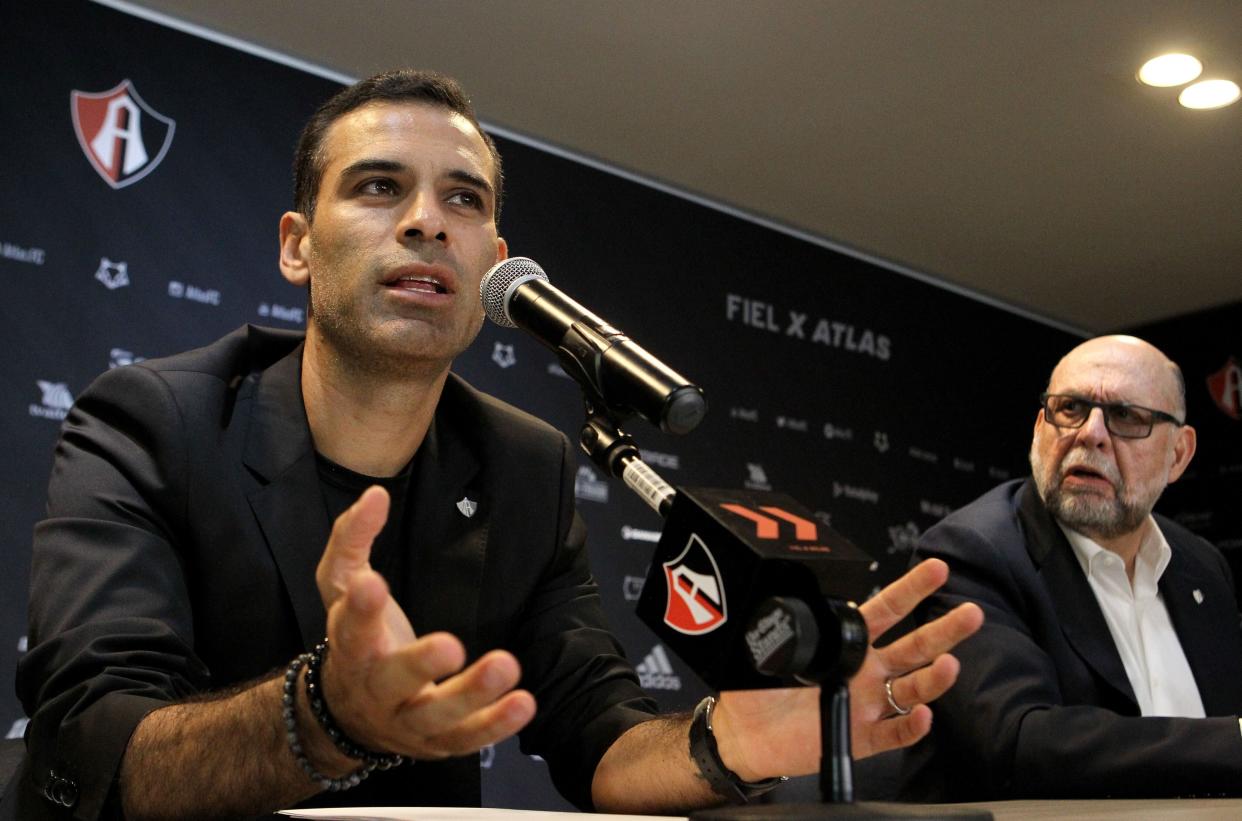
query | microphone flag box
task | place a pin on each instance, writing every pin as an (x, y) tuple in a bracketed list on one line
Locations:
[(724, 552)]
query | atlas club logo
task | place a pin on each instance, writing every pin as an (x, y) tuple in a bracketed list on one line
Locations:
[(1226, 388), (122, 136), (696, 598)]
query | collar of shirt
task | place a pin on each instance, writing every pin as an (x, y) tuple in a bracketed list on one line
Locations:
[(1104, 567)]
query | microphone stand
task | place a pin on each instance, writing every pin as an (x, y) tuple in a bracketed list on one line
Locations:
[(828, 647)]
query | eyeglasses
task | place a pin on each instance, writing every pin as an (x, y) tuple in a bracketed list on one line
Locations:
[(1127, 421)]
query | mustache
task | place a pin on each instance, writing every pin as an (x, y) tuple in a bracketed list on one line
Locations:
[(1092, 461)]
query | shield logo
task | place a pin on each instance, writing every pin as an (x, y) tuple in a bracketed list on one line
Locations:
[(122, 136), (1226, 388), (696, 592)]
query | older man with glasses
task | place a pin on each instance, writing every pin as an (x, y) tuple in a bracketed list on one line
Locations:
[(1110, 660)]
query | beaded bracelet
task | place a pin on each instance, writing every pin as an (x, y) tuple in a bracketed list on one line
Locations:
[(288, 711), (319, 708)]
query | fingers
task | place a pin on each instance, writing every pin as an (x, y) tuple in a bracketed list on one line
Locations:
[(357, 628), (893, 733), (490, 725), (349, 546), (929, 641), (455, 715), (398, 693), (898, 600), (926, 684)]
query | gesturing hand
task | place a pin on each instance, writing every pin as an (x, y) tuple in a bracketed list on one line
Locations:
[(389, 689), (776, 732)]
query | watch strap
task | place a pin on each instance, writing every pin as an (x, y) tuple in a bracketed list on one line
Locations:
[(706, 756)]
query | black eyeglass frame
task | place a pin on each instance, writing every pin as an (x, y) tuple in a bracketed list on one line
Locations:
[(1106, 408)]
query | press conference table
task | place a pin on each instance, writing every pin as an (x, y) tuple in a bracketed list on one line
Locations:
[(1176, 809)]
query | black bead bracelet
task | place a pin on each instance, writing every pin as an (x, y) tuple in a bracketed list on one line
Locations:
[(289, 712), (319, 708)]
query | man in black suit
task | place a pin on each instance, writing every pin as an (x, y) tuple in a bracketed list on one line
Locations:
[(182, 559), (1110, 664)]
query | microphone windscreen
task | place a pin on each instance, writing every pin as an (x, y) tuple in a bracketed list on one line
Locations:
[(498, 284)]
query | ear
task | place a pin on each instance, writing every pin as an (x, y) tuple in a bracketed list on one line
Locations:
[(1183, 451), (502, 250), (294, 248)]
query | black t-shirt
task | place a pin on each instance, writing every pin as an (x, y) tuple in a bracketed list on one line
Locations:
[(391, 553)]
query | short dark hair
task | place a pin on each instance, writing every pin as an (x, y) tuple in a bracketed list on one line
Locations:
[(402, 85)]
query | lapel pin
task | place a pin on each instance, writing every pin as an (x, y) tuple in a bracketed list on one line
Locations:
[(1198, 594), (468, 506)]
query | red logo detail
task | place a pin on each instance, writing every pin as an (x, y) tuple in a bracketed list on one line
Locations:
[(1226, 388), (766, 528), (122, 136), (696, 593)]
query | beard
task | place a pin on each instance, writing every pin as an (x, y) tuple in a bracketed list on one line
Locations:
[(372, 344), (1086, 510)]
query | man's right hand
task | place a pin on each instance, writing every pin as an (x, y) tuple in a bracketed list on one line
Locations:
[(389, 689)]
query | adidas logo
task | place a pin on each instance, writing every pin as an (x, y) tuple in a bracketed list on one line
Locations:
[(655, 672)]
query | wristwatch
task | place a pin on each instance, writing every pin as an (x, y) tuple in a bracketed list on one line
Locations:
[(706, 755)]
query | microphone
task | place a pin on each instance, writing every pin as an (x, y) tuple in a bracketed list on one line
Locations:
[(611, 367)]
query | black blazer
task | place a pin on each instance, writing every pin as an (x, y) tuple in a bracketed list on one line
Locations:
[(1043, 707), (185, 521)]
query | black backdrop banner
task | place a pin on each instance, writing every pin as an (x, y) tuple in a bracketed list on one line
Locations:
[(146, 170), (1208, 498)]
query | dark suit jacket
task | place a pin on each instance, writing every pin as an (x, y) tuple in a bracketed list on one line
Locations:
[(185, 521), (1043, 707)]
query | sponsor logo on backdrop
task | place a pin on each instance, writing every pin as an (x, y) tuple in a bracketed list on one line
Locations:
[(124, 138), (855, 492), (790, 423), (655, 458), (113, 275), (589, 487), (756, 477), (880, 439), (1226, 388), (798, 325), (964, 465), (1195, 519), (744, 414), (997, 473), (503, 355), (832, 431), (655, 672), (902, 538), (923, 455), (632, 587), (634, 534), (555, 369), (487, 756), (285, 313), (18, 729), (938, 509), (55, 403), (33, 256), (22, 644), (696, 592), (119, 358), (181, 290)]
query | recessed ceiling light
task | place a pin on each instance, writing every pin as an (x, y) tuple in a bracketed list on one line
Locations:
[(1170, 70), (1209, 94)]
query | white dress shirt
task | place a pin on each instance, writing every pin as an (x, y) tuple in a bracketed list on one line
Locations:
[(1139, 622)]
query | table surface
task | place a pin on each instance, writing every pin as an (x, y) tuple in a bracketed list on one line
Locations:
[(1174, 809)]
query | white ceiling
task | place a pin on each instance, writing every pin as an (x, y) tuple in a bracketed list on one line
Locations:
[(999, 145)]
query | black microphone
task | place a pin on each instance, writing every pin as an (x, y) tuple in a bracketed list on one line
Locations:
[(610, 366)]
